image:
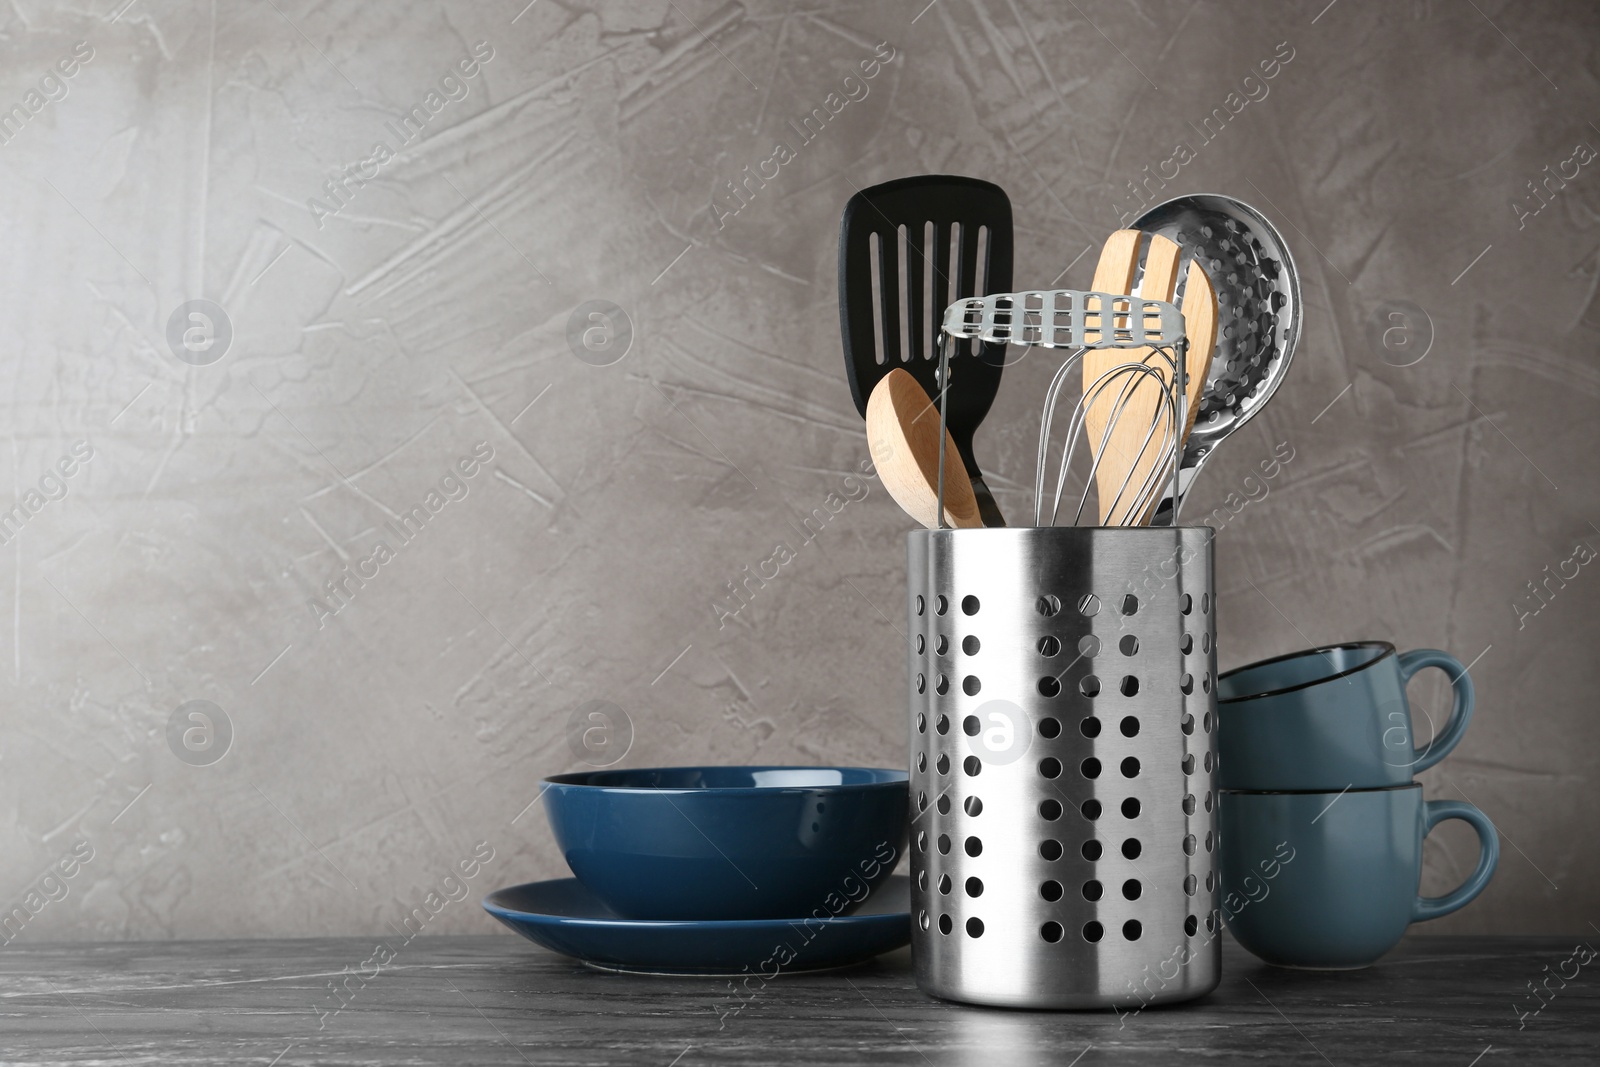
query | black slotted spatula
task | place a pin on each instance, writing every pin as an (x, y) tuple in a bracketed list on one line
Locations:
[(908, 249)]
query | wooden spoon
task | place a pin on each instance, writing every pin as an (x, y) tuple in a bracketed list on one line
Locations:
[(1128, 460), (903, 434)]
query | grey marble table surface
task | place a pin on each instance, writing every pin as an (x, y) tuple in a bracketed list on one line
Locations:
[(496, 1000)]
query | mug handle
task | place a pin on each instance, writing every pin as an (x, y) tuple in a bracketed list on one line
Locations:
[(1436, 812), (1441, 743)]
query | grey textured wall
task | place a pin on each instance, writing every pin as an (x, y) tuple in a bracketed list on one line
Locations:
[(386, 331)]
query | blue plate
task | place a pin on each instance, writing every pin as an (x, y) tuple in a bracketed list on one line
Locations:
[(565, 917)]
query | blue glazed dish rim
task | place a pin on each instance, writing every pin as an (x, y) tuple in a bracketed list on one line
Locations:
[(499, 910), (1384, 649), (879, 777)]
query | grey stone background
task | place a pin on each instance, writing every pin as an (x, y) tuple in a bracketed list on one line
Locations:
[(374, 747)]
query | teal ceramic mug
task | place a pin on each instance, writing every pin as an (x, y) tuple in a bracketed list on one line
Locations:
[(1331, 718), (1329, 881)]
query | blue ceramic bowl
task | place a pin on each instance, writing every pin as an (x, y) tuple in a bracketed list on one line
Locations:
[(730, 842)]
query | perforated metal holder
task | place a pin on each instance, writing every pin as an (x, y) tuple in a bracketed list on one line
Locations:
[(1062, 725)]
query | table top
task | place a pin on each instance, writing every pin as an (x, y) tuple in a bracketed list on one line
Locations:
[(498, 1000)]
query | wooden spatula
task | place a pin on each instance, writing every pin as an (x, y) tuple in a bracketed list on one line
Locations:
[(903, 435), (1127, 460)]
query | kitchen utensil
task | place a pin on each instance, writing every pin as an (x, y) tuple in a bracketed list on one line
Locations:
[(1332, 718), (1258, 317), (1121, 457), (1062, 754), (1065, 318), (1344, 871), (565, 917), (723, 843), (1113, 388), (903, 437), (908, 249)]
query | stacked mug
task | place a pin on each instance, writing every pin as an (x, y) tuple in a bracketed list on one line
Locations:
[(1320, 821)]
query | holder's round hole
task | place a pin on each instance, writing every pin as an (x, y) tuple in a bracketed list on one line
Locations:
[(1089, 685), (1050, 890), (1050, 931), (1205, 722), (942, 686), (1050, 849), (1092, 850), (1211, 883), (1188, 844), (1131, 848), (1186, 644), (1049, 646), (1050, 767), (1088, 645), (922, 685), (970, 726), (1130, 768), (1047, 605), (1129, 645), (940, 605), (1189, 885), (1186, 724), (969, 605), (943, 766), (943, 725), (944, 844), (1185, 604), (922, 762), (1093, 890), (1091, 809), (944, 884), (1188, 764), (974, 887), (1130, 604), (972, 765), (921, 604), (1131, 889), (1093, 931), (1130, 685), (922, 643), (1188, 804), (974, 927), (1208, 800), (1049, 686), (1206, 763), (942, 645), (1050, 810), (1186, 684), (1205, 642), (1129, 726), (1132, 929), (1130, 808), (922, 802), (945, 925), (974, 847), (922, 841), (970, 685), (1090, 767), (1049, 727), (1211, 922), (1088, 605), (922, 919), (943, 804), (970, 645), (972, 806), (1205, 603), (1089, 727), (1209, 840), (922, 883), (1190, 925)]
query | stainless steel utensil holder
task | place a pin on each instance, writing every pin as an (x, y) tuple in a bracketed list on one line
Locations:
[(1063, 725)]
